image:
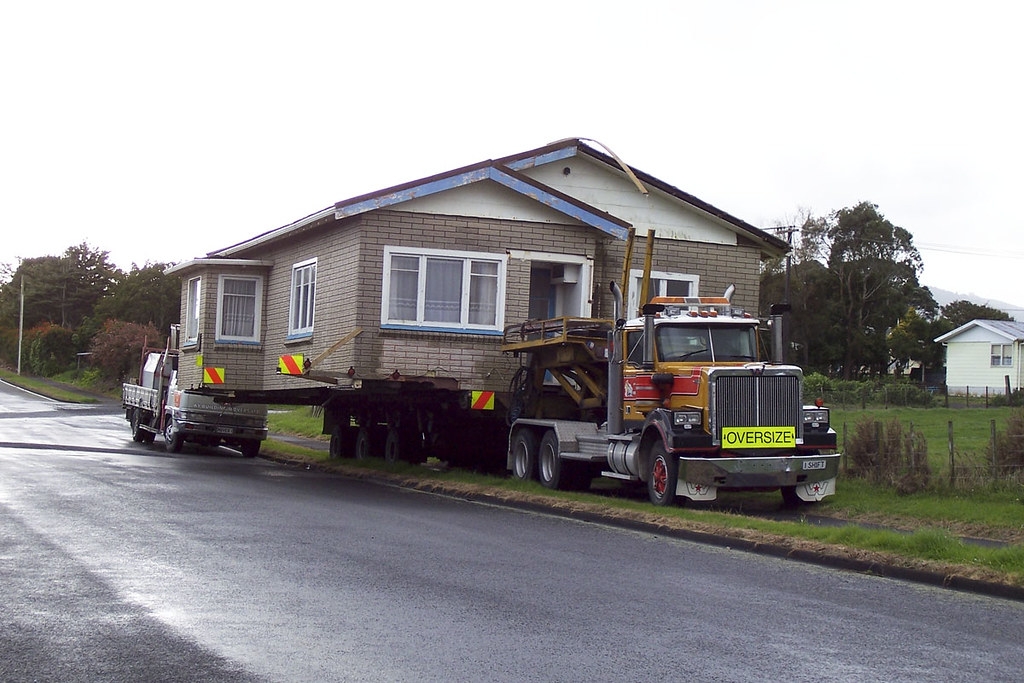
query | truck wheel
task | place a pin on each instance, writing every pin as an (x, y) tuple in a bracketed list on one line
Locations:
[(172, 439), (550, 469), (342, 442), (663, 475), (524, 454), (393, 446), (365, 447), (250, 449), (135, 420), (790, 499)]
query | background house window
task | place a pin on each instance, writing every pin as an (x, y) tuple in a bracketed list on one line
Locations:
[(192, 311), (662, 284), (443, 289), (239, 300), (1002, 355), (300, 308)]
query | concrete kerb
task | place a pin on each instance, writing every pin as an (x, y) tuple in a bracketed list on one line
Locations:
[(610, 518)]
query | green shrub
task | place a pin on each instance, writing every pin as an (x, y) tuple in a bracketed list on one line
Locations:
[(884, 454), (51, 350)]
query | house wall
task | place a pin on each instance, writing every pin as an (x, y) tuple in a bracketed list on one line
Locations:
[(350, 260), (969, 368), (242, 363)]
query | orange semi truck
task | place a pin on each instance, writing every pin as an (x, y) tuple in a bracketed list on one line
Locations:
[(677, 399)]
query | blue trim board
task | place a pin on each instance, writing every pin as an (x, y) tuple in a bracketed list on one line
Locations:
[(426, 189)]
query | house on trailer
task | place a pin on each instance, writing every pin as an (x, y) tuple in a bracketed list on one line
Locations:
[(984, 356), (415, 284)]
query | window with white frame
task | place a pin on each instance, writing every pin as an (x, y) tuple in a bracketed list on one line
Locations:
[(661, 284), (1002, 355), (300, 308), (192, 311), (443, 289), (239, 301)]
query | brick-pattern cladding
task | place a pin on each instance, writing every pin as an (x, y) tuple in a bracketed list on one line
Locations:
[(350, 259)]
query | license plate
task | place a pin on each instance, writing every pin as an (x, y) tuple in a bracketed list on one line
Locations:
[(229, 430), (814, 464)]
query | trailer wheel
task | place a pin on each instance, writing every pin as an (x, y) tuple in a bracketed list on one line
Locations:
[(524, 454), (250, 448), (172, 439), (550, 469), (663, 475), (365, 447), (342, 442)]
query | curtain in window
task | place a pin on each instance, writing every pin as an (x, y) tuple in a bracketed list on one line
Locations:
[(443, 297), (239, 314), (405, 275), (304, 284), (483, 293), (192, 311)]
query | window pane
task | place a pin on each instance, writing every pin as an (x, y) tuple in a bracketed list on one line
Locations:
[(405, 273), (192, 311), (303, 291), (483, 293), (239, 314), (677, 288), (443, 295)]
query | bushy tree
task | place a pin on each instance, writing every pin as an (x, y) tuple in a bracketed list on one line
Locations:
[(870, 280), (117, 348), (143, 295), (962, 312), (51, 349)]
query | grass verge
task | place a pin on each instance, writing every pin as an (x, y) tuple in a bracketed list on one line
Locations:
[(49, 388)]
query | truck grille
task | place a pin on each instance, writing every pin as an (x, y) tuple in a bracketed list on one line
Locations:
[(756, 401)]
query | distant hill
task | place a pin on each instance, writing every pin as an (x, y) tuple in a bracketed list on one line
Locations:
[(944, 297)]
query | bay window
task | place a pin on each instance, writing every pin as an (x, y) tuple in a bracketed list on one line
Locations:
[(239, 303)]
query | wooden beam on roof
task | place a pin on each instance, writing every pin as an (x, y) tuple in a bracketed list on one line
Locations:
[(429, 187), (550, 197)]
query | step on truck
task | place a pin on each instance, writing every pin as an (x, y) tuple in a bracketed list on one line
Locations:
[(676, 399), (156, 405)]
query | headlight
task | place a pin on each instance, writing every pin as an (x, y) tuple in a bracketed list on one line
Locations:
[(687, 418), (816, 415)]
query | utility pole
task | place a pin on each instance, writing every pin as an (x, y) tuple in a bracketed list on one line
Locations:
[(21, 322), (789, 230)]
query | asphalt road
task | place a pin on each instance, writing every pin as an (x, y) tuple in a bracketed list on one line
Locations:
[(122, 562)]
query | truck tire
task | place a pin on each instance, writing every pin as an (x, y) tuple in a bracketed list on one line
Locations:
[(403, 445), (551, 471), (343, 441), (172, 439), (524, 454), (365, 446), (250, 449), (662, 476), (135, 420)]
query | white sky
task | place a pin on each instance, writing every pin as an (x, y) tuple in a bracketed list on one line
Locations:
[(162, 131)]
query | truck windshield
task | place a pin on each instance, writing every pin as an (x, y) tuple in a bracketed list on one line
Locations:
[(675, 343)]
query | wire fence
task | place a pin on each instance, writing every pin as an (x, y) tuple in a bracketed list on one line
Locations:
[(889, 454)]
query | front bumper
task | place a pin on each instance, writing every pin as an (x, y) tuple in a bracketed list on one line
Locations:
[(812, 475)]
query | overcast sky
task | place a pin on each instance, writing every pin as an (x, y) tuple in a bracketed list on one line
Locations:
[(162, 131)]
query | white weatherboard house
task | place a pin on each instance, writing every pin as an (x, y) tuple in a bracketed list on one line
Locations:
[(981, 354)]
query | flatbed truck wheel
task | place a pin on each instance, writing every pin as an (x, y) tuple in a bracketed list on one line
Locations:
[(172, 439), (524, 454), (551, 471)]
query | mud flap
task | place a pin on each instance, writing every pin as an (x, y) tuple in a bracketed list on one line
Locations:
[(696, 492), (812, 493)]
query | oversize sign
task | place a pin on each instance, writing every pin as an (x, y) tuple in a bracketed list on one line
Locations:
[(759, 437)]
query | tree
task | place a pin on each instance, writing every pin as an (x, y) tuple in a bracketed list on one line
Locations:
[(61, 290), (143, 295), (962, 312), (872, 270), (117, 348)]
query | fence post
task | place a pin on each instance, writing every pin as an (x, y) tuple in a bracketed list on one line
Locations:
[(878, 451), (967, 395), (986, 397), (992, 442), (952, 463)]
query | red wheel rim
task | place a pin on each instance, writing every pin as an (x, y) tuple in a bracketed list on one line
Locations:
[(659, 476)]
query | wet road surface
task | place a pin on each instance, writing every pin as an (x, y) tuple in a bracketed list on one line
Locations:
[(122, 562)]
